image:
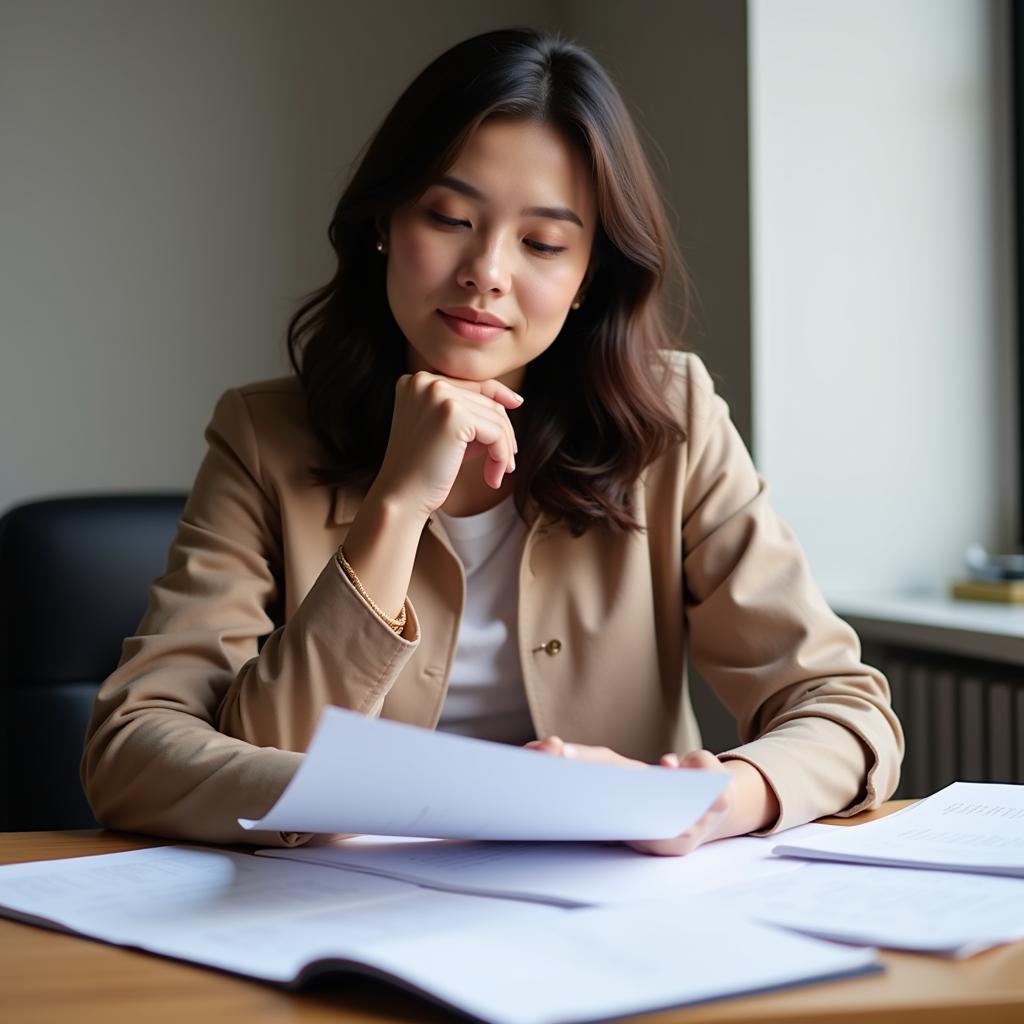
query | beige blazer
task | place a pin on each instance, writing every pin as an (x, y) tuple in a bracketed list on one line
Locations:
[(254, 629)]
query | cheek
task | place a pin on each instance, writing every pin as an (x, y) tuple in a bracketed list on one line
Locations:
[(417, 261), (545, 295)]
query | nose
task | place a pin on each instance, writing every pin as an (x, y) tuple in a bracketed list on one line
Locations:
[(486, 267)]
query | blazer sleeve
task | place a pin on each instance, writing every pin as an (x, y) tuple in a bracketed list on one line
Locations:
[(815, 720), (199, 725)]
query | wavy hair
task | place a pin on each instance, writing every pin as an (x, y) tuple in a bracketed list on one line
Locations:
[(597, 414)]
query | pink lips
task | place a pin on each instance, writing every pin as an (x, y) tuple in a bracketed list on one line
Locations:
[(474, 324)]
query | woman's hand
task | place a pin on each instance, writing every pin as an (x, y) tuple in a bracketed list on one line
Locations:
[(438, 422), (746, 804)]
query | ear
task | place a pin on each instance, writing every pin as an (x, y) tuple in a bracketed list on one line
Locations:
[(382, 225)]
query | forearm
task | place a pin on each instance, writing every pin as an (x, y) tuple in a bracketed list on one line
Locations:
[(820, 767), (171, 774), (334, 650), (381, 548)]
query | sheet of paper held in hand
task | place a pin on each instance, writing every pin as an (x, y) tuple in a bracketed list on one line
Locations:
[(369, 776), (968, 826)]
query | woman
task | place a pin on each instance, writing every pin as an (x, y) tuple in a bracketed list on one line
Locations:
[(492, 499)]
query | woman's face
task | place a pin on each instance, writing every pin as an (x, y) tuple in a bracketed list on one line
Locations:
[(506, 232)]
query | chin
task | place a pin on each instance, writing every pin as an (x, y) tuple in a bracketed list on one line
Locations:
[(471, 365)]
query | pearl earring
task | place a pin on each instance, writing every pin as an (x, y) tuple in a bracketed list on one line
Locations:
[(576, 305), (381, 247)]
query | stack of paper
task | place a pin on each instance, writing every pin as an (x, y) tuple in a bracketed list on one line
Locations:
[(920, 879), (975, 827), (968, 826), (520, 932), (939, 912), (499, 960), (505, 960)]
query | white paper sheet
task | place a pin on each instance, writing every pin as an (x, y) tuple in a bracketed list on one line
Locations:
[(501, 960), (968, 826), (384, 778), (943, 912), (611, 961), (562, 874)]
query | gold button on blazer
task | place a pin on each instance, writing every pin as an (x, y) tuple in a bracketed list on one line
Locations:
[(254, 629)]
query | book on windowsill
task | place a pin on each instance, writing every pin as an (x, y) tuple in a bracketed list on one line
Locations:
[(1006, 591)]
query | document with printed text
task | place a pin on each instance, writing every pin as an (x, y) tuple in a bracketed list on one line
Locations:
[(377, 777), (501, 961), (968, 826), (941, 912)]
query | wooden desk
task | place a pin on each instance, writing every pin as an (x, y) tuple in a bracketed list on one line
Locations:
[(46, 976)]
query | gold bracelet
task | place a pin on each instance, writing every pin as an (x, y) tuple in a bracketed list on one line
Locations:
[(397, 624)]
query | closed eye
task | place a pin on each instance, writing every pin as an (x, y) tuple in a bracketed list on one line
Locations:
[(547, 250), (442, 219), (539, 247)]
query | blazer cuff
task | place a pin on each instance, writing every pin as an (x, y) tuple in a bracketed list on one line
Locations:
[(815, 767), (410, 635), (267, 776)]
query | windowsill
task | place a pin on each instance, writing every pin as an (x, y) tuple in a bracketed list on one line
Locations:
[(934, 622)]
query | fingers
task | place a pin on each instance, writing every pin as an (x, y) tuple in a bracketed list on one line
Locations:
[(495, 470), (583, 752), (483, 429), (481, 421), (678, 846), (493, 390), (705, 828), (496, 412), (498, 392), (701, 831), (702, 759), (549, 745)]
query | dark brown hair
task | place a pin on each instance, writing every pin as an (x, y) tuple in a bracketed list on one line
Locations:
[(596, 414)]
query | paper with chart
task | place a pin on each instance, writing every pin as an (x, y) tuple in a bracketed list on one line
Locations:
[(941, 912), (562, 874), (499, 960), (385, 778), (968, 826)]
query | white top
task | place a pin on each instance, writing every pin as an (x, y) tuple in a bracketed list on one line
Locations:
[(485, 690)]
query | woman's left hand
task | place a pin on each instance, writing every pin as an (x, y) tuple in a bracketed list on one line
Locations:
[(747, 802)]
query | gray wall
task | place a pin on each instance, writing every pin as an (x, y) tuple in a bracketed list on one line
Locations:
[(169, 169)]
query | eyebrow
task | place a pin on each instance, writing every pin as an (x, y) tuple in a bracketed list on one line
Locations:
[(552, 212)]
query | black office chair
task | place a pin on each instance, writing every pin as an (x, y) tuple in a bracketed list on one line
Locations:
[(74, 574)]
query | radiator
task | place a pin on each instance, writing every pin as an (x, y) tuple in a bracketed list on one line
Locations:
[(962, 719)]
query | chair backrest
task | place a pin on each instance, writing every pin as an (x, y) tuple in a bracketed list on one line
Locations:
[(74, 575)]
